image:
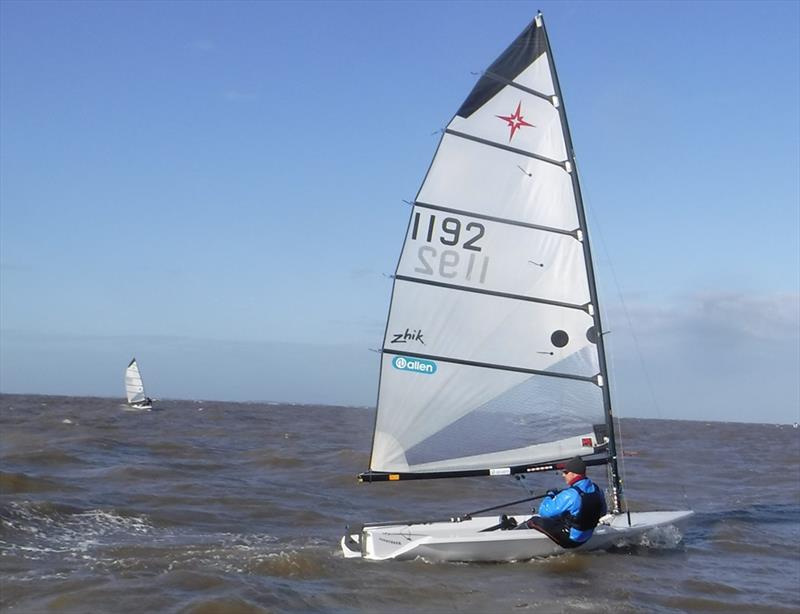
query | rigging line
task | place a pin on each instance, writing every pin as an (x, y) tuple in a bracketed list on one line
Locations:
[(495, 77), (462, 518), (469, 515), (494, 218), (519, 478), (621, 460), (618, 417), (623, 473), (637, 345), (517, 297), (611, 372), (487, 365), (564, 165)]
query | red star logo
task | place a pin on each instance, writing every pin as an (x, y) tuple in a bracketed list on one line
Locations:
[(515, 121)]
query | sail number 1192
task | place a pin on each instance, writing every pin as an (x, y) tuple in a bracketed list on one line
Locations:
[(450, 231), (453, 233)]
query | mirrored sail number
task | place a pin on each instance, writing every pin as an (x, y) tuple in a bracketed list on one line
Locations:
[(435, 231)]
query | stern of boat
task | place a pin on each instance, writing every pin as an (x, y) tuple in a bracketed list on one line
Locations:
[(351, 544)]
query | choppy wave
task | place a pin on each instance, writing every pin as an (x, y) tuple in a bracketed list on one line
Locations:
[(15, 483), (239, 508)]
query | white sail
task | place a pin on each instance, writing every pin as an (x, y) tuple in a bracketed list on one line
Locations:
[(134, 386), (490, 357)]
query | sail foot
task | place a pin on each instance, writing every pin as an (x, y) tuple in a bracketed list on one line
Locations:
[(543, 453)]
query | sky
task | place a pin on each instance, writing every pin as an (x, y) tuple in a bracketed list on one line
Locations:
[(217, 189)]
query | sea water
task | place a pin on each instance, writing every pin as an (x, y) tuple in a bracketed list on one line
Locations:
[(203, 507)]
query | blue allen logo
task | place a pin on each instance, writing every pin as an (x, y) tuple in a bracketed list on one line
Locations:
[(416, 365)]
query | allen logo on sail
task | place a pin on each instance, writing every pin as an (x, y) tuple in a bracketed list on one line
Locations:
[(417, 365)]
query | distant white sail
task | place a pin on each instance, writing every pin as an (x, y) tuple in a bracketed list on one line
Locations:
[(134, 386)]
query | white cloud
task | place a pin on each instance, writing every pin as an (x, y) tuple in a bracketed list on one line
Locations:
[(719, 356), (760, 317)]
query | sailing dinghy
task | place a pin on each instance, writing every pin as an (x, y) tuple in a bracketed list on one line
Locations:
[(134, 388), (493, 362)]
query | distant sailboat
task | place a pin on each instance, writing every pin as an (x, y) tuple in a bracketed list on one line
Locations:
[(134, 388), (493, 362)]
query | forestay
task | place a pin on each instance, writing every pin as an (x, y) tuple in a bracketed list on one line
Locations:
[(491, 357)]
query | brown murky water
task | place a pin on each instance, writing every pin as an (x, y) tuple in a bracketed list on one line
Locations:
[(226, 507)]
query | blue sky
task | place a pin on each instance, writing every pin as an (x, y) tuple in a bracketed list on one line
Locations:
[(217, 189)]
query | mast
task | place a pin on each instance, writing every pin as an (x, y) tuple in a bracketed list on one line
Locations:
[(616, 483)]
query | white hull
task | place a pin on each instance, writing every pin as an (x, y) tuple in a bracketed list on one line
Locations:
[(139, 406), (463, 541)]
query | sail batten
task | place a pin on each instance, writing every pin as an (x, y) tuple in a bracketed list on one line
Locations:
[(499, 367), (515, 297), (560, 163), (519, 86), (500, 220)]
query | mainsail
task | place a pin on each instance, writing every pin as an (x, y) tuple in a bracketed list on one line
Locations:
[(134, 386), (492, 360)]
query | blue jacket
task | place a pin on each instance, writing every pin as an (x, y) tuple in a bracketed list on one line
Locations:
[(569, 501)]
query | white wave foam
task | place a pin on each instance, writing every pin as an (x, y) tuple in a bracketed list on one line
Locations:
[(661, 538), (70, 535), (657, 538)]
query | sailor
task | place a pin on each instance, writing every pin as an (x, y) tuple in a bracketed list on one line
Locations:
[(569, 517)]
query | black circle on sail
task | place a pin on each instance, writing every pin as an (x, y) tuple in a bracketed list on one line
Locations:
[(560, 338)]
